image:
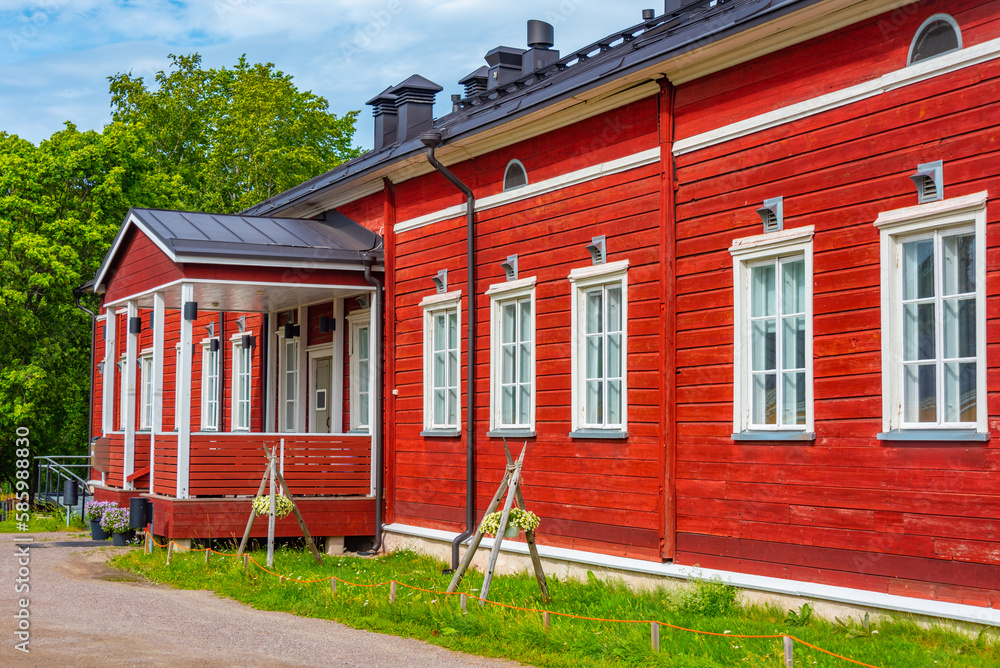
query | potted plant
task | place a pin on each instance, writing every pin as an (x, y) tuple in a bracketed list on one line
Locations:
[(282, 505), (115, 522), (93, 513), (517, 520)]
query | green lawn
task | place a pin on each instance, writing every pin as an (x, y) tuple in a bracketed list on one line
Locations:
[(496, 631), (41, 522)]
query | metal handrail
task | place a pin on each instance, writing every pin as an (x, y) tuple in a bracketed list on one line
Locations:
[(62, 471)]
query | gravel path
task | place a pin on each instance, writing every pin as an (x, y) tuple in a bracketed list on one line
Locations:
[(84, 613)]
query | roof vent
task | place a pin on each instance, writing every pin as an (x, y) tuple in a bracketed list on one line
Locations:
[(930, 182), (505, 66), (475, 83), (510, 267), (415, 106), (773, 215), (598, 248), (384, 110), (648, 15), (541, 37), (441, 281)]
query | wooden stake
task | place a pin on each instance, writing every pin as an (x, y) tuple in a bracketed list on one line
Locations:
[(392, 592), (270, 515), (281, 579), (208, 556), (789, 652), (654, 636), (546, 620), (246, 563), (464, 602), (333, 586), (170, 551)]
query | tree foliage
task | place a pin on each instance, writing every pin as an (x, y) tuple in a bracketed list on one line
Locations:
[(214, 140), (235, 136)]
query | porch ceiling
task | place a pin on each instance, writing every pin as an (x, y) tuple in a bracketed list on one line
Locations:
[(252, 297)]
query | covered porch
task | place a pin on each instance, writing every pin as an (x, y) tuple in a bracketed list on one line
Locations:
[(226, 333)]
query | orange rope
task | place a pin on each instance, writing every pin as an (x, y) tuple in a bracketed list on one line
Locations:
[(510, 606)]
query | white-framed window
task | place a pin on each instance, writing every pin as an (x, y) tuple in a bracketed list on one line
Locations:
[(515, 176), (359, 323), (772, 335), (512, 355), (289, 394), (146, 390), (122, 391), (209, 386), (933, 259), (242, 371), (442, 369), (936, 36), (599, 345)]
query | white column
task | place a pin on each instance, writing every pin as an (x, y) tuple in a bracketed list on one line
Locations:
[(131, 375), (374, 353), (270, 371), (159, 338), (108, 383), (184, 407), (340, 334), (303, 391)]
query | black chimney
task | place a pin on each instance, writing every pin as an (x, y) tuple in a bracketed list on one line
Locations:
[(384, 110), (541, 38), (505, 66), (475, 83), (415, 106)]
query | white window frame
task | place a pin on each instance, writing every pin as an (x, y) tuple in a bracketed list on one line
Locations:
[(357, 321), (753, 251), (145, 363), (207, 397), (433, 305), (583, 279), (283, 399), (896, 227), (236, 343), (501, 294)]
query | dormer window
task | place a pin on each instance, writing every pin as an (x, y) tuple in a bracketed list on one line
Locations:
[(515, 176), (937, 36)]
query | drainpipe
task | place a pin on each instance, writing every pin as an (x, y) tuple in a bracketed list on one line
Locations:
[(77, 293), (368, 259), (219, 412), (432, 140)]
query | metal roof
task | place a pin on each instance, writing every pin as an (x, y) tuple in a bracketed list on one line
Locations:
[(187, 236), (619, 54)]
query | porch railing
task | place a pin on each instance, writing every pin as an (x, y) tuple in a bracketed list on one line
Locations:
[(313, 465)]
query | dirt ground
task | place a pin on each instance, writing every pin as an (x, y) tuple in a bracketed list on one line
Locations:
[(84, 613)]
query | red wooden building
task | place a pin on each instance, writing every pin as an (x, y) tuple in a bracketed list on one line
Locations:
[(730, 273)]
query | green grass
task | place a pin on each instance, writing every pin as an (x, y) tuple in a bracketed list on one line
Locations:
[(41, 521), (494, 631)]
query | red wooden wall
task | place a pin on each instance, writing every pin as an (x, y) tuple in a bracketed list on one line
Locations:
[(914, 519)]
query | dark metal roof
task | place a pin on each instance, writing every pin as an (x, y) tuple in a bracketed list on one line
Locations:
[(615, 56)]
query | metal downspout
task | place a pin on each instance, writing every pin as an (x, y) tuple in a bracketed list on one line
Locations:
[(432, 140), (368, 259)]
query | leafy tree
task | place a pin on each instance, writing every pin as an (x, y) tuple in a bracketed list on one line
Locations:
[(235, 136)]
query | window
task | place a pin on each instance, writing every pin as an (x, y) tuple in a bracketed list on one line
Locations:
[(934, 320), (599, 350), (360, 370), (515, 176), (209, 386), (123, 391), (146, 390), (290, 384), (512, 357), (242, 368), (442, 346), (772, 335), (937, 36)]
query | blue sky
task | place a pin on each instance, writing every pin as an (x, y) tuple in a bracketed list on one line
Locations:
[(56, 55)]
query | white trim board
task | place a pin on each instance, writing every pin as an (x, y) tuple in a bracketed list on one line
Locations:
[(916, 606), (650, 157), (906, 76)]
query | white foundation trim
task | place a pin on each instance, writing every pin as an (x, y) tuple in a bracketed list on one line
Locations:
[(917, 606)]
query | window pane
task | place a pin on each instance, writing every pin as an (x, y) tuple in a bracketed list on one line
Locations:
[(764, 399), (439, 338), (594, 312), (595, 402), (507, 364), (614, 402), (453, 407), (959, 325), (793, 287), (524, 405), (439, 369), (453, 330), (453, 369), (918, 332), (918, 269), (614, 355), (363, 379), (363, 410), (959, 255), (919, 393), (960, 392), (793, 393), (439, 407), (525, 327), (794, 342), (614, 309), (525, 367), (363, 343), (507, 404), (762, 291), (595, 357), (508, 323), (763, 345)]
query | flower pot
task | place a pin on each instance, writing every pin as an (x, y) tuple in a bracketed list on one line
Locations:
[(511, 531), (96, 532), (120, 539)]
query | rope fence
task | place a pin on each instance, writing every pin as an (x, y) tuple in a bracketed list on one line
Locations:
[(654, 625)]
